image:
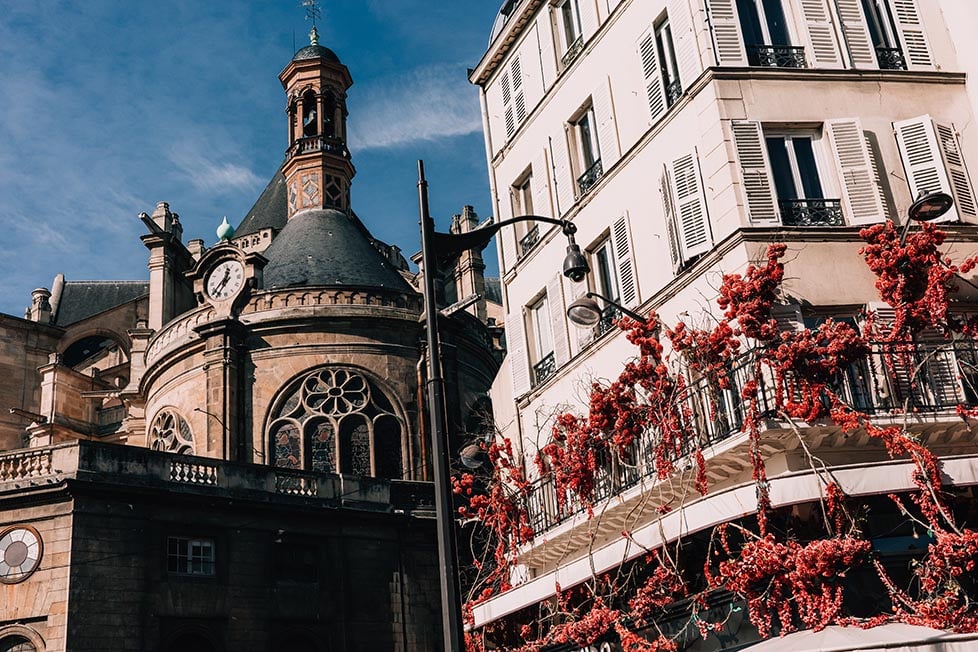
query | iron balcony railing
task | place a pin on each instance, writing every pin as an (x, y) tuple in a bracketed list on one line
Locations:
[(544, 369), (674, 91), (912, 377), (573, 50), (530, 240), (891, 59), (812, 212), (609, 316), (312, 144), (590, 177), (776, 56)]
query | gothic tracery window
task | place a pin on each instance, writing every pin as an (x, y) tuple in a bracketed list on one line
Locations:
[(335, 420), (171, 433)]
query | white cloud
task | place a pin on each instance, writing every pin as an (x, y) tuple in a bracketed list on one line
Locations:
[(211, 175), (420, 105)]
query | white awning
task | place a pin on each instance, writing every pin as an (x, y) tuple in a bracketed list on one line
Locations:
[(892, 637)]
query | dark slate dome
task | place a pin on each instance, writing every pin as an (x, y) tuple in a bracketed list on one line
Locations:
[(316, 52), (326, 247)]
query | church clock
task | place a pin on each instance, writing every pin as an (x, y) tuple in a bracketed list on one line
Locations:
[(20, 554), (224, 280)]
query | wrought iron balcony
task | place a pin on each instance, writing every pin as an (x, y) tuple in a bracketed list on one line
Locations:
[(896, 378), (776, 56), (609, 316), (891, 59), (573, 50), (812, 212), (544, 369), (590, 177), (674, 91), (530, 240), (313, 144)]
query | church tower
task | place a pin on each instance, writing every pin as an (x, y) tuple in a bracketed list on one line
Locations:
[(317, 169)]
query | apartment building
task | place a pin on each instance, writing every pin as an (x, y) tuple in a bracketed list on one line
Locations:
[(681, 137)]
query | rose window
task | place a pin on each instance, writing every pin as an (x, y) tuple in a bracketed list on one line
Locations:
[(335, 420), (171, 433)]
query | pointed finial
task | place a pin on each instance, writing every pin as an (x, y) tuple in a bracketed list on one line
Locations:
[(314, 36), (225, 231)]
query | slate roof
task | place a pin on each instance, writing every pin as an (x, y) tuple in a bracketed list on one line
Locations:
[(316, 52), (327, 247), (82, 299), (269, 210)]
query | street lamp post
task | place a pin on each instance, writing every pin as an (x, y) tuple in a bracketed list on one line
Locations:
[(435, 246)]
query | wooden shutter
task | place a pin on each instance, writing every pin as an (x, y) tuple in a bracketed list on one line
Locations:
[(758, 184), (540, 185), (962, 190), (822, 45), (519, 100), (923, 161), (494, 104), (558, 320), (621, 243), (727, 41), (516, 352), (788, 316), (856, 32), (653, 78), (665, 190), (877, 179), (589, 18), (604, 115), (562, 176), (508, 115), (507, 239), (684, 42), (861, 195), (693, 232), (911, 30)]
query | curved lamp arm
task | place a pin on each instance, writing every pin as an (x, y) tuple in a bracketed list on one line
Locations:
[(585, 312), (449, 245)]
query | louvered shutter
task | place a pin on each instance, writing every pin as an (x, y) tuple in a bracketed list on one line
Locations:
[(915, 48), (516, 352), (558, 320), (494, 104), (589, 18), (604, 115), (823, 47), (861, 196), (758, 185), (693, 224), (788, 316), (508, 115), (540, 185), (923, 160), (727, 41), (684, 42), (856, 32), (962, 190), (507, 239), (877, 179), (653, 78), (562, 177), (665, 190), (621, 243), (519, 101)]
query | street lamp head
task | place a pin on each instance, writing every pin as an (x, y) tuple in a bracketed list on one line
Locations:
[(929, 207), (575, 262), (584, 313)]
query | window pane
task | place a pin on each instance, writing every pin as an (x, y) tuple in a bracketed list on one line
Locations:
[(807, 169), (781, 169), (750, 22), (776, 26), (606, 273), (589, 153)]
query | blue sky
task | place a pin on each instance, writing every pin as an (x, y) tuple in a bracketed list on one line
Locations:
[(108, 106)]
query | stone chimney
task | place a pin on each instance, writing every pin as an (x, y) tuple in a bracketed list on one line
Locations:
[(40, 310)]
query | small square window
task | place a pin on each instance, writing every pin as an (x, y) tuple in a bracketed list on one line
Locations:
[(187, 556)]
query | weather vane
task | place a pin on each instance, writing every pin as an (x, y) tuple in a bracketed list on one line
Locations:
[(312, 13)]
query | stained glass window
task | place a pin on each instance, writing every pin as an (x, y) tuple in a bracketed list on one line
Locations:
[(335, 419)]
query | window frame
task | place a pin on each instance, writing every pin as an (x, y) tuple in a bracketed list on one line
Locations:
[(585, 146), (521, 200), (561, 11), (818, 142), (208, 566), (665, 47)]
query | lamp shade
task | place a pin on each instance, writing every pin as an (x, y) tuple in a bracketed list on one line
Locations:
[(584, 312)]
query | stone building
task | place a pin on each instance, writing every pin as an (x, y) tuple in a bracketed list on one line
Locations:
[(681, 137), (233, 454)]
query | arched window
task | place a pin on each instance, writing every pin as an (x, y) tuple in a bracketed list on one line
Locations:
[(335, 420), (171, 433), (310, 122), (16, 644)]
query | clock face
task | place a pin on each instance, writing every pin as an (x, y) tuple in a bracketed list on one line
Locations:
[(20, 554), (225, 280)]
